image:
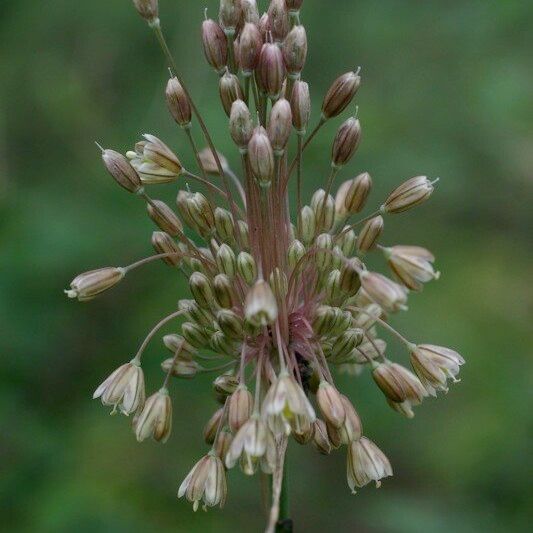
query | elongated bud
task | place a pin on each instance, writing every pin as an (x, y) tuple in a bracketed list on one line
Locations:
[(224, 292), (240, 124), (230, 324), (164, 217), (201, 212), (224, 225), (211, 427), (279, 283), (331, 406), (295, 50), (261, 157), (279, 19), (347, 242), (230, 90), (178, 103), (324, 210), (229, 15), (383, 291), (294, 5), (176, 343), (307, 221), (201, 290), (260, 308), (90, 284), (247, 267), (264, 26), (122, 171), (250, 44), (148, 9), (244, 232), (163, 243), (340, 94), (370, 234), (320, 438), (250, 12), (300, 106), (180, 368), (226, 260), (324, 319), (215, 45), (333, 287), (352, 195), (239, 408), (225, 384), (221, 343), (350, 279), (409, 194), (208, 161), (346, 142), (223, 443), (194, 334), (295, 253), (280, 125), (412, 265), (155, 420), (346, 344), (323, 259), (271, 70)]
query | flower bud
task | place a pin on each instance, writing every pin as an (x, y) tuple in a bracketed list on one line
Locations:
[(247, 267), (409, 194), (271, 70), (226, 260), (346, 344), (240, 124), (331, 406), (250, 44), (398, 384), (122, 171), (250, 12), (260, 308), (225, 384), (90, 284), (239, 408), (342, 321), (261, 157), (176, 343), (307, 221), (208, 161), (163, 243), (320, 438), (346, 142), (295, 253), (323, 259), (367, 351), (180, 368), (201, 212), (333, 288), (164, 217), (221, 343), (201, 290), (230, 90), (350, 430), (224, 226), (224, 292), (352, 195), (300, 106), (366, 463), (244, 232), (295, 50), (148, 9), (178, 103), (211, 427), (155, 420), (324, 210), (412, 265), (223, 443), (124, 389), (279, 283), (264, 26), (383, 291), (230, 323), (279, 19), (370, 234), (350, 280), (280, 125), (229, 15), (194, 334), (215, 45), (323, 320), (294, 5), (347, 242), (340, 94)]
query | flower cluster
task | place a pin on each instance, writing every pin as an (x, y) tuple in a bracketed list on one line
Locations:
[(279, 305)]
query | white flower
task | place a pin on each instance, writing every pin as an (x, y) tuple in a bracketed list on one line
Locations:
[(366, 463)]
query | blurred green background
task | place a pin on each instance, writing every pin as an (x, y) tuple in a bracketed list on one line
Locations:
[(446, 92)]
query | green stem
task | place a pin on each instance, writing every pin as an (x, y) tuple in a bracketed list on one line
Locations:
[(284, 524)]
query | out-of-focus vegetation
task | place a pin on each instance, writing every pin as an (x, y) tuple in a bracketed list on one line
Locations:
[(447, 92)]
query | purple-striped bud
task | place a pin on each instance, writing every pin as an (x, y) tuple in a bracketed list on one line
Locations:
[(370, 234), (264, 26), (409, 194), (346, 142), (300, 106), (122, 171), (295, 50), (230, 90), (178, 102), (352, 195), (215, 45), (240, 124), (250, 44), (294, 5), (164, 217), (250, 12), (163, 243), (279, 19), (261, 157), (229, 15), (280, 125), (271, 70), (148, 9), (90, 284), (340, 94)]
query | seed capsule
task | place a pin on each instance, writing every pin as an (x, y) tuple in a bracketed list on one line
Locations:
[(164, 217), (229, 15), (178, 103), (250, 44), (230, 91), (163, 243), (90, 284), (346, 142), (409, 194), (122, 171), (370, 234), (261, 157), (300, 106), (280, 125), (148, 9), (295, 50), (240, 124), (279, 19), (201, 290), (340, 94), (271, 70), (247, 268), (215, 45)]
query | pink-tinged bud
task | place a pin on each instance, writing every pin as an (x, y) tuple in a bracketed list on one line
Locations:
[(409, 194), (250, 44), (340, 94), (215, 45), (122, 171), (389, 295), (366, 463), (164, 217), (412, 265), (370, 234), (346, 142), (331, 406), (295, 50), (208, 162), (279, 19), (178, 103), (230, 91), (240, 124), (148, 9), (271, 70), (123, 389), (261, 157), (155, 420), (398, 384), (223, 443), (320, 438), (163, 243), (352, 195), (229, 15), (294, 5), (90, 284), (239, 408), (180, 368), (264, 26), (300, 106), (260, 308), (280, 125), (211, 427), (250, 12)]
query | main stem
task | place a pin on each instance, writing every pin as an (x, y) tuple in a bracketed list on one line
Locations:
[(284, 522)]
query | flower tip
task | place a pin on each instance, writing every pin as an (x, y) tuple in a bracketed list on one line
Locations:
[(71, 293)]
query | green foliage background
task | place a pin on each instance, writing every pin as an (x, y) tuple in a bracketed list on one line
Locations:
[(447, 92)]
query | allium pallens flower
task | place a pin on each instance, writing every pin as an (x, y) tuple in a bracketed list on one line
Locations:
[(280, 297)]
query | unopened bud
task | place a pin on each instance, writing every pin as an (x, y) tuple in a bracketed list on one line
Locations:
[(412, 265), (409, 194), (194, 334), (176, 343), (224, 292), (295, 50), (209, 163), (279, 283), (223, 443), (323, 259), (347, 242), (215, 45), (221, 343), (324, 210), (180, 368), (261, 157), (300, 106), (250, 44), (370, 234), (280, 125), (352, 195), (201, 290), (250, 12), (340, 94), (229, 15), (383, 291), (155, 420), (295, 253), (331, 406), (230, 324), (279, 19), (239, 408), (163, 243), (342, 321), (224, 225), (271, 70), (178, 102), (226, 260), (323, 320), (148, 9), (247, 268), (242, 228), (211, 427), (320, 438), (346, 142), (164, 217), (201, 212), (264, 26), (333, 286), (88, 285), (260, 307), (226, 384), (230, 91), (307, 221), (122, 171), (240, 124)]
